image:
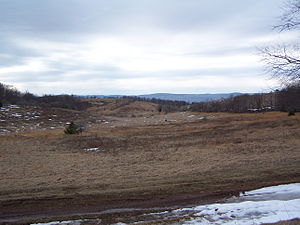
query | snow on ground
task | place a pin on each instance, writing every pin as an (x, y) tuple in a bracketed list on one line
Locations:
[(74, 222), (280, 192), (92, 149), (71, 222), (247, 213), (265, 205)]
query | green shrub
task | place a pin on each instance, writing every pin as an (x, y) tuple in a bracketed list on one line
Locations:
[(72, 128)]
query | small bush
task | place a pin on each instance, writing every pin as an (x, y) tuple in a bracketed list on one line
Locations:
[(291, 113), (73, 128)]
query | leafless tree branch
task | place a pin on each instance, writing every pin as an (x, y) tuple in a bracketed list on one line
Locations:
[(283, 61), (291, 18)]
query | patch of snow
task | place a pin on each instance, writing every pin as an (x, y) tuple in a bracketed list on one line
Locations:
[(4, 130), (3, 109), (253, 110), (13, 106), (280, 192), (102, 121), (191, 116), (16, 115), (73, 222), (157, 213), (247, 213), (253, 207), (92, 149), (269, 107), (265, 205)]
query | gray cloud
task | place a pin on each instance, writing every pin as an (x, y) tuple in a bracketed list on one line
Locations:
[(14, 53), (43, 42), (52, 16)]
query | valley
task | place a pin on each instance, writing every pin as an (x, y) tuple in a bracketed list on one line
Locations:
[(132, 156)]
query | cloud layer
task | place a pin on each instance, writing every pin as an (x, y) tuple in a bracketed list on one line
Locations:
[(136, 46)]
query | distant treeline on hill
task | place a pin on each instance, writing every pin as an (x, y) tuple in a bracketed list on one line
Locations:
[(10, 95), (242, 103), (286, 99)]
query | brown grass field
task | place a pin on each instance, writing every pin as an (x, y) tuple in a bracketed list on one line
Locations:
[(145, 161)]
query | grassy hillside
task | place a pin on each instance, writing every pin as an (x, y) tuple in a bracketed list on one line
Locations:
[(159, 159)]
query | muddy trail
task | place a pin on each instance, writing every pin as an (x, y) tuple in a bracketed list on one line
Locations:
[(260, 206)]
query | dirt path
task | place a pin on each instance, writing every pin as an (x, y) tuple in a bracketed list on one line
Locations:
[(108, 211)]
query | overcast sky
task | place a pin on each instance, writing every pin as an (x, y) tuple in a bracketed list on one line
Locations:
[(137, 46)]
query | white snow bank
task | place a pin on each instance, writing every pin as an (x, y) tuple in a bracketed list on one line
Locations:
[(247, 213), (265, 205), (280, 192)]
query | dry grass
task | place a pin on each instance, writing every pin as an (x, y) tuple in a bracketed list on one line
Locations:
[(145, 158)]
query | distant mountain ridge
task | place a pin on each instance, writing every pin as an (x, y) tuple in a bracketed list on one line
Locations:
[(177, 97), (191, 97)]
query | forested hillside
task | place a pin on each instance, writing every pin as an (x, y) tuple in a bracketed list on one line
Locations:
[(10, 95), (286, 99)]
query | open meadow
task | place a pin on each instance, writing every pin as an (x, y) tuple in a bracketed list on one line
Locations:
[(141, 158)]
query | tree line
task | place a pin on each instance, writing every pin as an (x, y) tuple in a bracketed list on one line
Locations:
[(286, 99), (10, 95)]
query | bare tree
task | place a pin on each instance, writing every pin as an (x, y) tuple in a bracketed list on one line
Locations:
[(283, 61), (291, 16)]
